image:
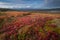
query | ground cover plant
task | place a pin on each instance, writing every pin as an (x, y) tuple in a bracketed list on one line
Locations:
[(30, 27)]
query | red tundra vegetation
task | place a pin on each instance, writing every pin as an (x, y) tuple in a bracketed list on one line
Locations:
[(30, 27)]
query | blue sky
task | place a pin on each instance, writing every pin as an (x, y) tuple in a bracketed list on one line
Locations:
[(35, 4)]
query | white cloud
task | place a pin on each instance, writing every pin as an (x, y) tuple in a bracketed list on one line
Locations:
[(28, 6), (2, 3), (12, 5), (5, 5)]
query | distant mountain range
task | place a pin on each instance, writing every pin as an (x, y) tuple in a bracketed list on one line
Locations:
[(6, 9)]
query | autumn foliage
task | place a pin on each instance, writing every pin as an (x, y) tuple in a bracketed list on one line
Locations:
[(31, 27)]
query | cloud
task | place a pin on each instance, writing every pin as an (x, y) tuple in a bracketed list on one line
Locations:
[(21, 4), (29, 3), (28, 6), (48, 1), (5, 5), (11, 5), (51, 4)]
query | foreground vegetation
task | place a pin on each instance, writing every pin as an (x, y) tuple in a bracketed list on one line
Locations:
[(29, 26)]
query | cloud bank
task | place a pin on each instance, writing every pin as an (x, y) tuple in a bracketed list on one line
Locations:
[(14, 5), (52, 3), (36, 4), (11, 5)]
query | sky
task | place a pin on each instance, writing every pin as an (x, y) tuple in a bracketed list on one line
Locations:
[(34, 4)]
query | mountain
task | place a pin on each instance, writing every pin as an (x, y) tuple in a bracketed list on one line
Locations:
[(26, 9), (6, 9)]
